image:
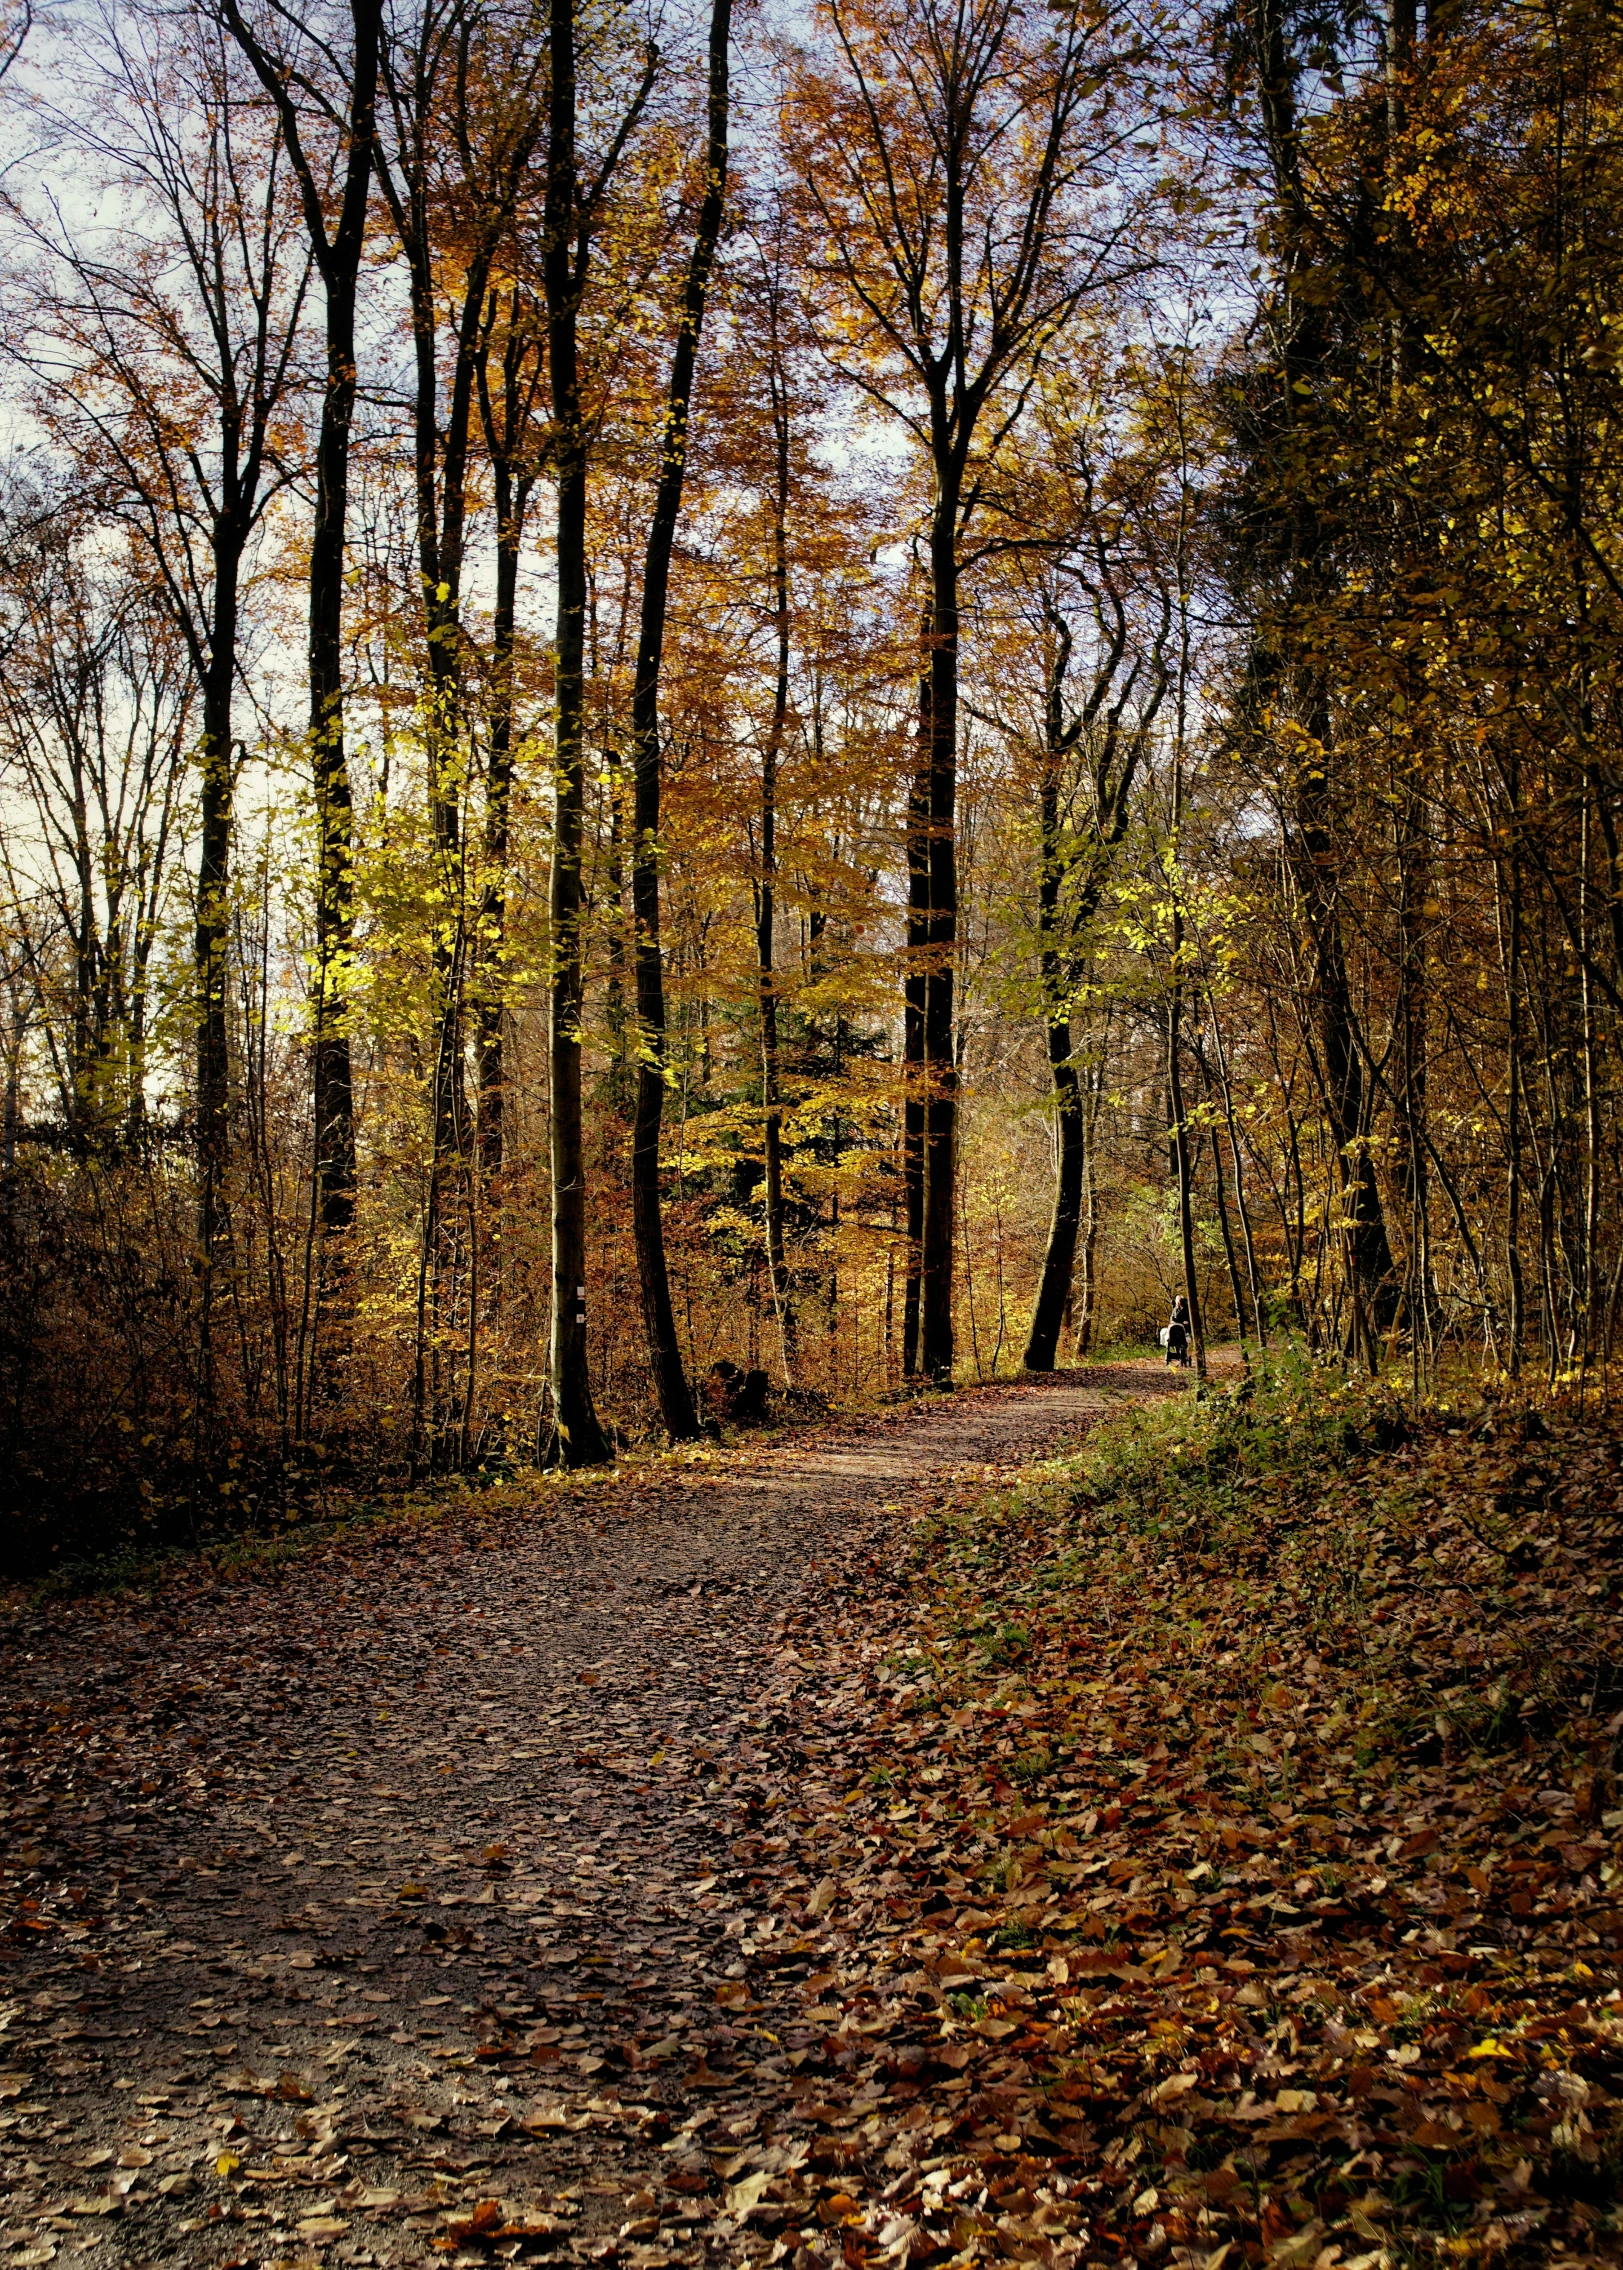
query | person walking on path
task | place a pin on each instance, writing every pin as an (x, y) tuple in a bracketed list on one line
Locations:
[(1177, 1332)]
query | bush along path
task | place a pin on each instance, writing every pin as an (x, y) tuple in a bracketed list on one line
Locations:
[(1214, 1846), (413, 1904)]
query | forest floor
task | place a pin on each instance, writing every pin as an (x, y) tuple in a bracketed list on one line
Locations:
[(973, 1833)]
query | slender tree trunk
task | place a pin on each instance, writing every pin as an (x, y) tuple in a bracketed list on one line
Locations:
[(1414, 889), (211, 937), (1181, 1156), (1235, 1293), (766, 909), (576, 1438), (338, 258), (1059, 1261), (1592, 1126), (339, 261), (940, 1066), (1517, 1330), (1087, 1281), (913, 1000), (664, 1349), (510, 498), (1231, 1122)]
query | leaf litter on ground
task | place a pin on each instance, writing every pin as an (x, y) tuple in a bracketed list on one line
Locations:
[(1200, 1848), (1211, 1844), (394, 1902)]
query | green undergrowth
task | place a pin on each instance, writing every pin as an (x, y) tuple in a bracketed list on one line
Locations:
[(1299, 1506)]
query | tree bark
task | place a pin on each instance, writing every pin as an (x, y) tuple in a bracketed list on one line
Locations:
[(664, 1349)]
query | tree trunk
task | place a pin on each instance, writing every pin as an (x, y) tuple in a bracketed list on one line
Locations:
[(1373, 1286), (913, 999), (575, 1437), (766, 909), (510, 498), (338, 258), (212, 928), (1232, 1123), (1059, 1261), (940, 1067), (664, 1350), (1517, 1327), (1414, 888), (1181, 1158), (339, 262), (1087, 1301)]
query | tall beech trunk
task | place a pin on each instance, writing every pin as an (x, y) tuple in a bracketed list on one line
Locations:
[(941, 939), (338, 260), (213, 924), (511, 490), (913, 999), (766, 905), (576, 1437), (1372, 1283), (664, 1350)]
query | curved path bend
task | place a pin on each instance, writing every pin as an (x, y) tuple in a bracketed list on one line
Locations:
[(388, 1911)]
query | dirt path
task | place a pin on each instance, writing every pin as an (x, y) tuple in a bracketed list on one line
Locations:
[(344, 1907)]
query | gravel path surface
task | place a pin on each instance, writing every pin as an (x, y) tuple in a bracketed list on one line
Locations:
[(389, 1911)]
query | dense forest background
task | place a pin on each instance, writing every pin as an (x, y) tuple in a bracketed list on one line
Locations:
[(851, 689)]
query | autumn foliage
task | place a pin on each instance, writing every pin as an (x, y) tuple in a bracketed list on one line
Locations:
[(852, 695)]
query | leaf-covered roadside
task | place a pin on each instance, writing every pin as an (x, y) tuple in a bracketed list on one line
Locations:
[(1213, 1850)]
